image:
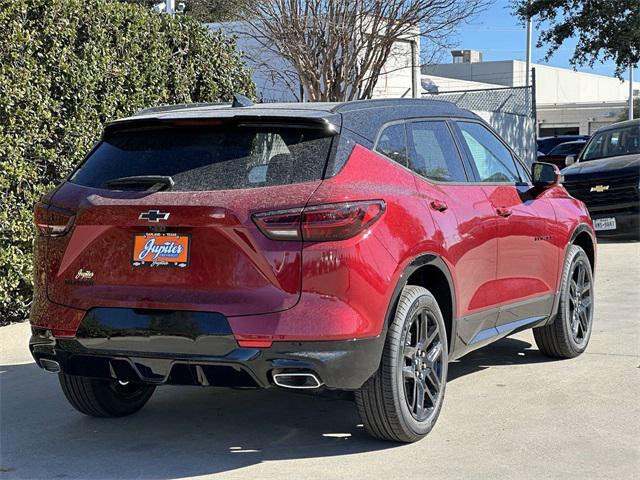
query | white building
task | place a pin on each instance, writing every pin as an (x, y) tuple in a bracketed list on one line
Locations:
[(437, 84), (567, 102), (277, 81)]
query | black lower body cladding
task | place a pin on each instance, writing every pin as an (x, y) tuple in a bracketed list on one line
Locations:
[(196, 348)]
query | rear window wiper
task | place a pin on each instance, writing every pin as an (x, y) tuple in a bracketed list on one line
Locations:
[(155, 183)]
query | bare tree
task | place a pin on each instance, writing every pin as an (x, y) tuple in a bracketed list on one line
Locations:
[(338, 48)]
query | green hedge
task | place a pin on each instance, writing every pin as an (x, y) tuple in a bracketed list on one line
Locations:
[(67, 67)]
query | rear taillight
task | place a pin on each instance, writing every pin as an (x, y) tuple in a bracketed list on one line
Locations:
[(52, 221), (280, 225), (339, 221), (320, 223)]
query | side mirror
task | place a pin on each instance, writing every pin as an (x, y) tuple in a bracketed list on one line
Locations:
[(545, 175), (569, 160)]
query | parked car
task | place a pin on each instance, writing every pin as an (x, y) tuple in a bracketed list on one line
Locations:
[(606, 176), (546, 144), (355, 246), (558, 155)]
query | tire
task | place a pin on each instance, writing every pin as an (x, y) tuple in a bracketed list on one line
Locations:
[(104, 398), (389, 402), (568, 335)]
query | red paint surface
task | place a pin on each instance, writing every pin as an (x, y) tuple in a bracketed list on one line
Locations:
[(274, 290)]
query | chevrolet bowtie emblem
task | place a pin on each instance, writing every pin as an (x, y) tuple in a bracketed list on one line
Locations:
[(154, 216), (599, 188)]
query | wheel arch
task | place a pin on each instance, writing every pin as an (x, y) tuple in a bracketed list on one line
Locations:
[(583, 237), (429, 271)]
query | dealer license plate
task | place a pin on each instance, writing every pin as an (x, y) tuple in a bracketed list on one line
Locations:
[(161, 250)]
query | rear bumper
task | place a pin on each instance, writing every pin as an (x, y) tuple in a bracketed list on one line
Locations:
[(197, 348)]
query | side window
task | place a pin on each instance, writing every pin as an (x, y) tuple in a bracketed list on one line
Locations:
[(492, 159), (393, 143), (523, 172), (433, 153)]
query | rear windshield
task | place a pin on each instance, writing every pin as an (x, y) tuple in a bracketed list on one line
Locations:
[(613, 143), (209, 158), (567, 149)]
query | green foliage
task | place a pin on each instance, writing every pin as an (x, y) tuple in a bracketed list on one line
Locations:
[(215, 10), (66, 68), (604, 29), (205, 10)]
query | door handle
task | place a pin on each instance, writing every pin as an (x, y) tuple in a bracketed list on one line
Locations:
[(438, 205), (504, 212)]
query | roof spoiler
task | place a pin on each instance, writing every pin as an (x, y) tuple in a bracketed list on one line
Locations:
[(238, 101), (241, 101)]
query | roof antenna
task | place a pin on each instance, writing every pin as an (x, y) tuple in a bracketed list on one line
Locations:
[(241, 101)]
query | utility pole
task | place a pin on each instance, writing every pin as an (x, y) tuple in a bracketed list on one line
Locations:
[(631, 92), (171, 7), (528, 68), (531, 92)]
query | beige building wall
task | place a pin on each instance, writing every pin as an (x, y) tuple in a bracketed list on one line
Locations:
[(566, 101), (583, 119)]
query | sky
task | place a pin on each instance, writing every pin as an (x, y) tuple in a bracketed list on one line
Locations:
[(500, 36)]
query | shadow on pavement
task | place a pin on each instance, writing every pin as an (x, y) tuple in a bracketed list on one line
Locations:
[(187, 431), (508, 351)]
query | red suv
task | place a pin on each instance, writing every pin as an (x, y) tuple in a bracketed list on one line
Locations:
[(355, 246)]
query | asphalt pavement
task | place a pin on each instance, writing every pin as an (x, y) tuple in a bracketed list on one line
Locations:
[(509, 413)]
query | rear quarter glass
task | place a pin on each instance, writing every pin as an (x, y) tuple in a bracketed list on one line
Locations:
[(205, 158)]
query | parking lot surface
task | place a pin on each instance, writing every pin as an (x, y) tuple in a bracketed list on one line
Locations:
[(509, 413)]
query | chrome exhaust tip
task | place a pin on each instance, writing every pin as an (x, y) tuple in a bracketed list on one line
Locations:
[(297, 380), (50, 365)]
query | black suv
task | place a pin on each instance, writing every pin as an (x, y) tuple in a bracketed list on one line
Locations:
[(606, 177)]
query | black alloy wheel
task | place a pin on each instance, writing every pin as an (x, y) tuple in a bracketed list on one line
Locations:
[(580, 302), (567, 336), (422, 367), (402, 401)]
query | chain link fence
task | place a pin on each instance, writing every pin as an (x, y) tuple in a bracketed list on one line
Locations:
[(509, 110), (512, 100)]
